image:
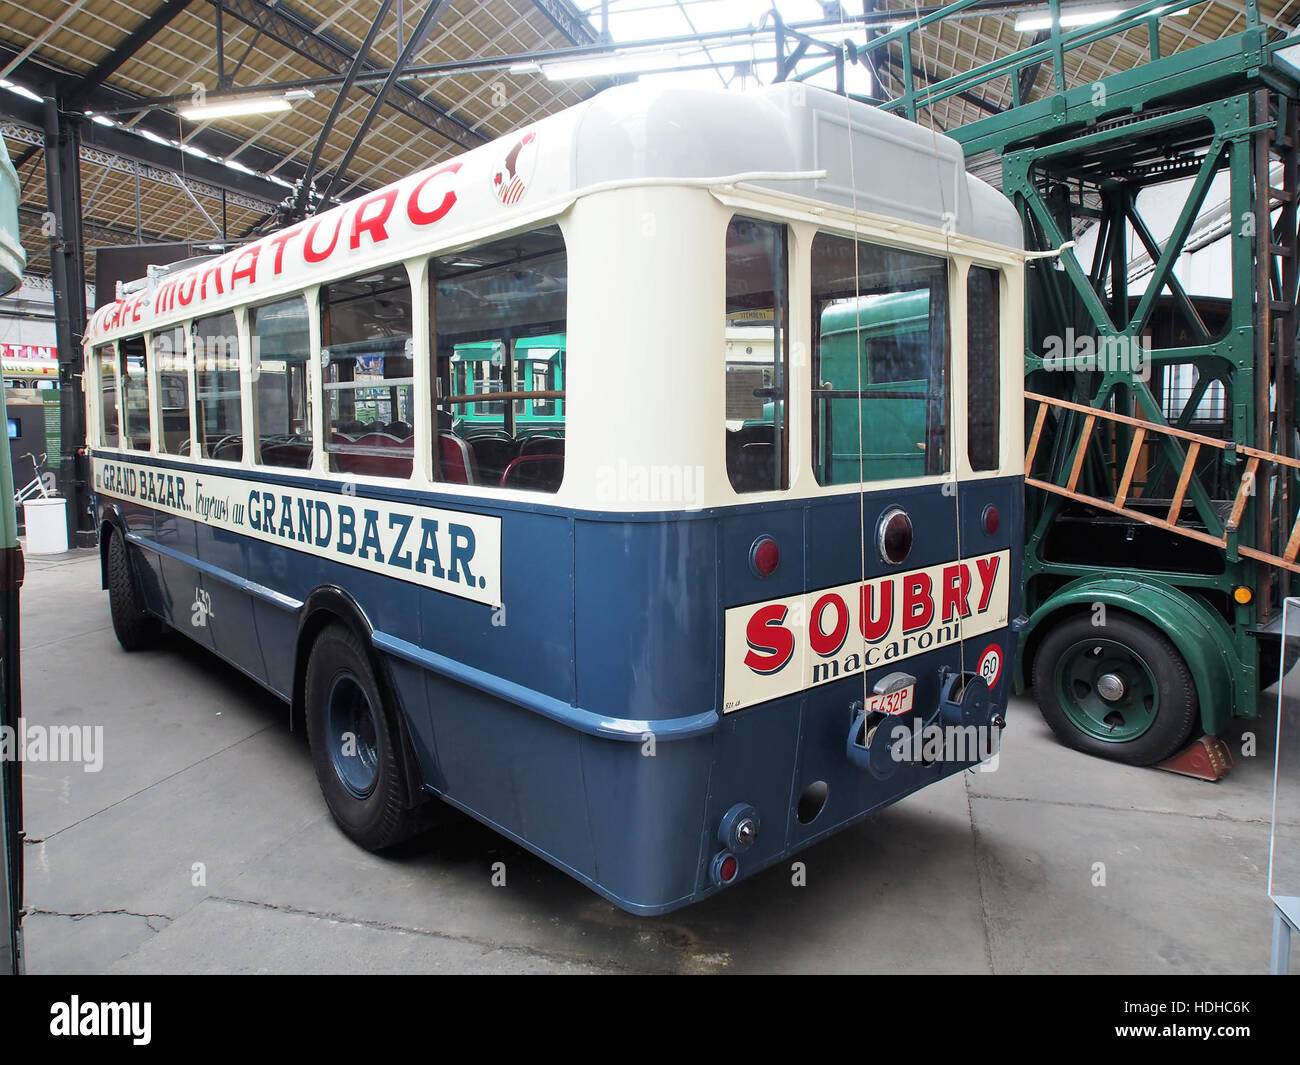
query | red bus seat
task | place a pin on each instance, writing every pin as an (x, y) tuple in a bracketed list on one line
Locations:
[(455, 461), (538, 473), (368, 464)]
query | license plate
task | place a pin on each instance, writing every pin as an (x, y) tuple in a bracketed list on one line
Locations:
[(895, 702)]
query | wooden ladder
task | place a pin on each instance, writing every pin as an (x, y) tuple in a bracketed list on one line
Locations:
[(1195, 443)]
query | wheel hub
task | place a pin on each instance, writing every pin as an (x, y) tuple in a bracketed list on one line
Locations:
[(1110, 686), (1106, 689), (351, 736)]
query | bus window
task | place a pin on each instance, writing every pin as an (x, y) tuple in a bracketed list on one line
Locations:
[(880, 361), (499, 318), (172, 366), (282, 346), (756, 356), (135, 394), (367, 357), (216, 376), (983, 330), (108, 434)]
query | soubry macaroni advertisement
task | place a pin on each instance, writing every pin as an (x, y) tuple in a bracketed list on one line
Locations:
[(782, 646)]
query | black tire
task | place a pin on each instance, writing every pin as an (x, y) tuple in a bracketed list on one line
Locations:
[(136, 629), (1160, 696), (366, 790)]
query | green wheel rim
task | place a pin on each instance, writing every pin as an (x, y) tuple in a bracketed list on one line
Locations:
[(1107, 690)]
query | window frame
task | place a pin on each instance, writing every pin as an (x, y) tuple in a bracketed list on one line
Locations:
[(952, 266), (122, 356), (1000, 288), (98, 352), (156, 373), (241, 361), (781, 367), (438, 399), (311, 367)]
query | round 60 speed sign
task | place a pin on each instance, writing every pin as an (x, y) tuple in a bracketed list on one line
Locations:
[(990, 667)]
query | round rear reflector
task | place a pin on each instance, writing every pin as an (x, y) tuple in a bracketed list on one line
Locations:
[(724, 868), (764, 556), (991, 519), (894, 536)]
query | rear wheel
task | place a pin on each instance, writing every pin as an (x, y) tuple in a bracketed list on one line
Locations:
[(355, 743), (1119, 690), (133, 625)]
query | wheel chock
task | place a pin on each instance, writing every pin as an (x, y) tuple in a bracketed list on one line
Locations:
[(1208, 758)]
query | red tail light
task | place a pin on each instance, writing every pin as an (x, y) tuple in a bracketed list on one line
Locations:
[(724, 869), (991, 519), (764, 556), (894, 536)]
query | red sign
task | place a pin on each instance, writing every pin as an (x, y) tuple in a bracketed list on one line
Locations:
[(28, 351)]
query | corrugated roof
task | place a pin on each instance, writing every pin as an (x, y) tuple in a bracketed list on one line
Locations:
[(424, 120)]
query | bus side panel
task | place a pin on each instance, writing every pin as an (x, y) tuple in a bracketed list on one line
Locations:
[(513, 768), (177, 580), (646, 618), (230, 614), (530, 639), (644, 810), (755, 765), (276, 631)]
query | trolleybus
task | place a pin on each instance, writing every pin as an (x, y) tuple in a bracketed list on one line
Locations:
[(472, 473)]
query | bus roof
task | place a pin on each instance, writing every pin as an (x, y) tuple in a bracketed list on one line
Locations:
[(628, 134)]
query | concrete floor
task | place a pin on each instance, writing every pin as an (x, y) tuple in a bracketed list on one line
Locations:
[(984, 872)]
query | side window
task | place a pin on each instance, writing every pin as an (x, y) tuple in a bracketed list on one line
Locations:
[(756, 356), (880, 362), (368, 382), (216, 376), (135, 394), (499, 320), (109, 435), (983, 334), (281, 347), (172, 369)]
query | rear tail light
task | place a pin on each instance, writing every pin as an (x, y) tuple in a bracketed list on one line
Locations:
[(724, 869), (991, 519), (894, 536), (764, 556)]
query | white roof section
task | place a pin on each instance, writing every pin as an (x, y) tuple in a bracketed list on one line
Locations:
[(630, 135)]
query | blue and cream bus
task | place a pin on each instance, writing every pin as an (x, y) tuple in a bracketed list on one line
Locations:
[(658, 638)]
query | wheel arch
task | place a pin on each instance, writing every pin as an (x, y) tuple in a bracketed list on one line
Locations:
[(329, 605), (110, 521), (1201, 636)]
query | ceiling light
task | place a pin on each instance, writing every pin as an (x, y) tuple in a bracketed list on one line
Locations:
[(19, 90), (231, 106), (1042, 20)]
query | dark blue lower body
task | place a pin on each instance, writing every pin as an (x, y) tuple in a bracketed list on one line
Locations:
[(586, 727)]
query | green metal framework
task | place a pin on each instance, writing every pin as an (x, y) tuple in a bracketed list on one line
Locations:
[(1221, 119)]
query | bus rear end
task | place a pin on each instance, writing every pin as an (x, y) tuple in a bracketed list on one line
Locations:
[(845, 600)]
